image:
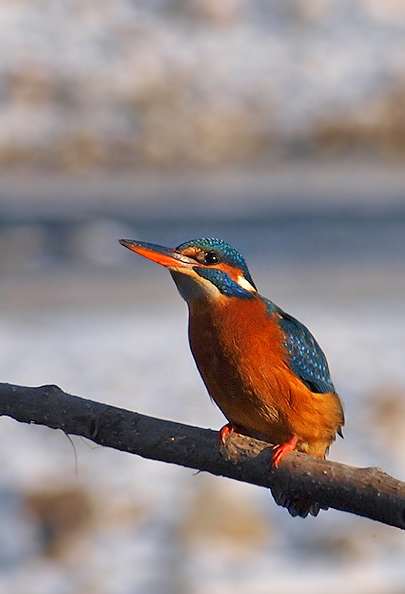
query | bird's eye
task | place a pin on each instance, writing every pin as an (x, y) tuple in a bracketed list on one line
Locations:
[(211, 258)]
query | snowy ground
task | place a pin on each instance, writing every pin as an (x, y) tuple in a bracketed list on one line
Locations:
[(197, 82)]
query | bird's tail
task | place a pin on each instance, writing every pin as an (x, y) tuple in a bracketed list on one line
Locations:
[(296, 506)]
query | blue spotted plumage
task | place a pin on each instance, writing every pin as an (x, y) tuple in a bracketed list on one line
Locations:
[(306, 357), (224, 283)]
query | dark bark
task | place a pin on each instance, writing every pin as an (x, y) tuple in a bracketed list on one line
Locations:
[(366, 492)]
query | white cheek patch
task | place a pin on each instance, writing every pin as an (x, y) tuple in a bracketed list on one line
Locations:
[(245, 284)]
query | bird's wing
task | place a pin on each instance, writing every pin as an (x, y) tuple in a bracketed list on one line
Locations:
[(305, 356)]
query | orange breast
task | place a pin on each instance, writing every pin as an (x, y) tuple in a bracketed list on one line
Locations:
[(239, 352)]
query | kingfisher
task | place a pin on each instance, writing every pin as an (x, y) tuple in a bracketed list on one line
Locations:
[(260, 365)]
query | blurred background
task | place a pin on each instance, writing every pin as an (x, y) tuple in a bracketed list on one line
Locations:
[(277, 125)]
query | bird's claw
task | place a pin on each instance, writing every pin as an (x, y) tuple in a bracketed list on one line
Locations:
[(225, 431), (280, 450)]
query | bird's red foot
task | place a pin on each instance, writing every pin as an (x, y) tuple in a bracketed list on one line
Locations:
[(225, 431), (281, 449)]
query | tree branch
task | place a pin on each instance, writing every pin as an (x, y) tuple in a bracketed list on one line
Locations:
[(366, 492)]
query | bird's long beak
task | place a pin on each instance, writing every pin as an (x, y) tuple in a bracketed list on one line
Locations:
[(165, 256)]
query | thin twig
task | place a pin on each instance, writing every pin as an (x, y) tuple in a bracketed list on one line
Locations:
[(366, 492)]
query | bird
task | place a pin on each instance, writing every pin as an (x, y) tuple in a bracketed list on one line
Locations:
[(261, 366)]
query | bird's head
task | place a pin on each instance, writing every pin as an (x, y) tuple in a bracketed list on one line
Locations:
[(201, 268)]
